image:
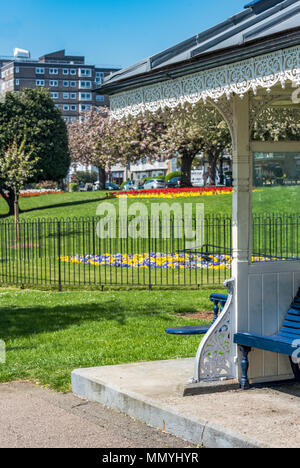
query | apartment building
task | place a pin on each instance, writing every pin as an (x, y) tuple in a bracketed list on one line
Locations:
[(69, 79)]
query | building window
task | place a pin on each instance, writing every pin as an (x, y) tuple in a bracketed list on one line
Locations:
[(85, 84), (17, 69), (99, 75), (17, 82), (66, 95), (73, 107), (85, 96), (99, 97), (73, 84), (66, 107), (85, 72), (73, 95), (53, 71), (40, 71), (54, 95), (65, 71), (66, 84), (73, 71), (84, 107), (98, 80), (53, 83), (40, 82)]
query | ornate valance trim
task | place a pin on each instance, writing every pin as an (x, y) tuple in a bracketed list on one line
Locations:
[(264, 71)]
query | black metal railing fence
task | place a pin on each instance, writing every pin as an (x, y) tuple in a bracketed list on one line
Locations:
[(71, 252)]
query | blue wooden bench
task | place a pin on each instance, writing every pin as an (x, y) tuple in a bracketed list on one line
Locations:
[(219, 301), (283, 342)]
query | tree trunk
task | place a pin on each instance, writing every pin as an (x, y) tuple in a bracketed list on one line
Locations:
[(16, 210), (186, 167), (213, 157), (221, 170), (102, 178), (10, 200)]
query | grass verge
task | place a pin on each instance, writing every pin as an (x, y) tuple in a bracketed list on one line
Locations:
[(48, 334)]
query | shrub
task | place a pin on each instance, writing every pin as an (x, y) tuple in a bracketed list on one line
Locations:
[(73, 187), (47, 184), (123, 183), (172, 174)]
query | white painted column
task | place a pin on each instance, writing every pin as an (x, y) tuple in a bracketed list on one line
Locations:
[(241, 211)]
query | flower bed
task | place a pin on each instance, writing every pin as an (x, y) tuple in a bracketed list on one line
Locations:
[(37, 193), (175, 192), (159, 260), (173, 261)]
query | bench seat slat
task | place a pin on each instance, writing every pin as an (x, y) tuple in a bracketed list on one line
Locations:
[(276, 343), (220, 297), (200, 329), (189, 330)]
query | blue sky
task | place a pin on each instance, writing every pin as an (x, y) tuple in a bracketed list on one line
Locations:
[(116, 32)]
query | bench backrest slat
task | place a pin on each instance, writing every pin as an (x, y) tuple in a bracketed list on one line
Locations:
[(291, 325), (288, 336), (292, 318), (292, 331)]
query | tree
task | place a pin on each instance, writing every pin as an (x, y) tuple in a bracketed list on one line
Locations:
[(99, 141), (190, 130), (277, 124), (85, 177), (31, 112), (88, 141), (17, 166)]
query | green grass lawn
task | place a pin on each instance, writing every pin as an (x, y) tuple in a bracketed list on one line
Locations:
[(49, 334), (267, 199), (86, 203), (36, 261)]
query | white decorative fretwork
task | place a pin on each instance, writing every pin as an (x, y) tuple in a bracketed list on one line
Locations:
[(215, 356), (264, 71)]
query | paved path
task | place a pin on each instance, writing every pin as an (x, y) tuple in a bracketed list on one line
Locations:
[(34, 417)]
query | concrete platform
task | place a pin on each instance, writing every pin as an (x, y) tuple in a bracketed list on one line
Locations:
[(153, 392)]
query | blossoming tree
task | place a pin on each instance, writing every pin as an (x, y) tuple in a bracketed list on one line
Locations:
[(17, 166), (99, 141), (190, 130)]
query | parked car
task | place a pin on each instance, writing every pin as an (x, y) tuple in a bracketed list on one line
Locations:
[(111, 186), (108, 186), (130, 185), (228, 179), (154, 184), (174, 182), (139, 185), (86, 187)]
